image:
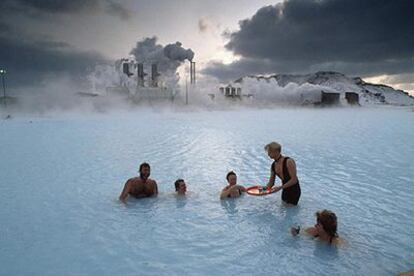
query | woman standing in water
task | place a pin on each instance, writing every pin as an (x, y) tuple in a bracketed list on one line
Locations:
[(285, 168)]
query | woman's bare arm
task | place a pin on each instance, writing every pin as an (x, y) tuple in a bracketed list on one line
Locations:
[(272, 178)]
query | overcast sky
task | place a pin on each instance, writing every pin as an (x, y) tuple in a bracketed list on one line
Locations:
[(369, 38)]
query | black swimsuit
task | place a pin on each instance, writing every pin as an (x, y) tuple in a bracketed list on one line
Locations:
[(290, 195)]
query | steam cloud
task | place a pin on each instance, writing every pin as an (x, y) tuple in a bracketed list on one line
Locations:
[(168, 58), (176, 52)]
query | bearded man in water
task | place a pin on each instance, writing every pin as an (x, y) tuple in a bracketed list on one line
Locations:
[(141, 186)]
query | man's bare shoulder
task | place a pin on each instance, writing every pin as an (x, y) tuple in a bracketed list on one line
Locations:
[(134, 180), (151, 181), (225, 188)]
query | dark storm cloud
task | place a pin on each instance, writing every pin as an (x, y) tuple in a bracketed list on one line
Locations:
[(4, 28), (358, 37), (47, 6), (116, 9), (29, 60), (36, 7)]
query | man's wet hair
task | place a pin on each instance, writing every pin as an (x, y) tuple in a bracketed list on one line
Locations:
[(144, 165), (230, 173), (177, 183)]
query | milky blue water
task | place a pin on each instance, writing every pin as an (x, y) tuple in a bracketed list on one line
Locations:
[(61, 177)]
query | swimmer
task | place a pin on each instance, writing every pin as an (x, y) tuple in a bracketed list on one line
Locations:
[(141, 186), (285, 168), (180, 187), (232, 190), (324, 229)]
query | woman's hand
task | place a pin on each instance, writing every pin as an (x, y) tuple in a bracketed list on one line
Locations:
[(276, 189)]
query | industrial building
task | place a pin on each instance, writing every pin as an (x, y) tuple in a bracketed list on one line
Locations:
[(231, 91), (137, 85), (352, 98), (329, 98)]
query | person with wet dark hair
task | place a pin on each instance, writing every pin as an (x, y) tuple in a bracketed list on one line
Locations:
[(180, 187), (325, 228), (232, 190), (141, 186)]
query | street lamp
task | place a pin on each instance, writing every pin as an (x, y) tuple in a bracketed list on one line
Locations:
[(3, 74)]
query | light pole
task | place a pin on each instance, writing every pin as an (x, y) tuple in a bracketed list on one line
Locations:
[(3, 74), (186, 90)]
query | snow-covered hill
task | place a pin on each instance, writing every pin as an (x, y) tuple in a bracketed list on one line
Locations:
[(300, 85)]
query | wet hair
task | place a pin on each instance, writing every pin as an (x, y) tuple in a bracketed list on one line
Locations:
[(328, 221), (177, 183), (230, 173), (144, 165)]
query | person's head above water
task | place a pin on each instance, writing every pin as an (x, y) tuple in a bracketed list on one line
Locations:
[(231, 178), (326, 223), (144, 170), (180, 186), (273, 149)]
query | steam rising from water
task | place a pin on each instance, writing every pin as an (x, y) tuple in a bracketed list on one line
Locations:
[(108, 88)]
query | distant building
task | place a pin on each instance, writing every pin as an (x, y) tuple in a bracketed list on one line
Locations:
[(352, 98), (126, 68), (231, 91), (329, 98), (137, 85)]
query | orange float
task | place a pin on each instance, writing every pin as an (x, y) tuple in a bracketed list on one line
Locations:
[(259, 191)]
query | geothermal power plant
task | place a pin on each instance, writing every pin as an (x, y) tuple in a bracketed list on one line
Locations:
[(131, 68), (151, 71)]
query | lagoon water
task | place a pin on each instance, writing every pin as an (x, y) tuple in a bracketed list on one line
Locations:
[(61, 176)]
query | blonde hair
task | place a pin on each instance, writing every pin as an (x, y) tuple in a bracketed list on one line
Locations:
[(273, 146)]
